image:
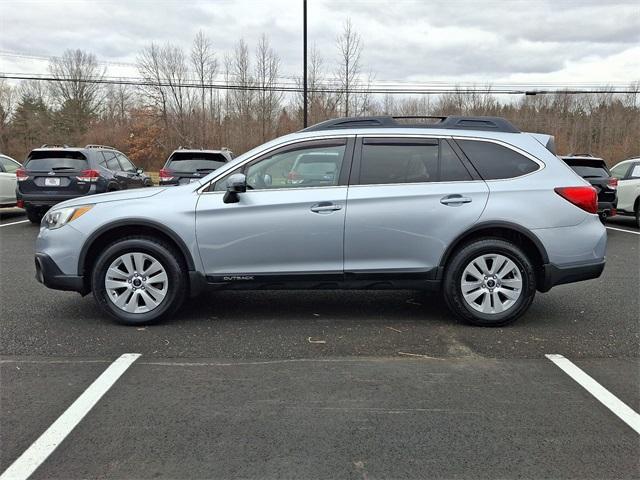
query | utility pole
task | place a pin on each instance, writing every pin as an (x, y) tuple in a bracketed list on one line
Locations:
[(304, 65)]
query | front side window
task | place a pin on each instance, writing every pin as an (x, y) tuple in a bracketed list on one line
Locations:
[(635, 173), (316, 164), (386, 162), (127, 166), (494, 161)]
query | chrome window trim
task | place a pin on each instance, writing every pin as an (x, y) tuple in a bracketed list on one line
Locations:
[(201, 189)]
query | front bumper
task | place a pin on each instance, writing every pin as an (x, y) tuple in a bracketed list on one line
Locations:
[(553, 275), (49, 274)]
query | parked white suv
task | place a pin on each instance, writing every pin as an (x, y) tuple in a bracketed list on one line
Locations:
[(628, 174), (8, 168)]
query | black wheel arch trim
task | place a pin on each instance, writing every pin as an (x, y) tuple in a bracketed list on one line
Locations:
[(494, 224), (135, 222)]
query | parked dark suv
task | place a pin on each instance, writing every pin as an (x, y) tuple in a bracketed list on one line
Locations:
[(52, 174), (187, 165), (595, 171)]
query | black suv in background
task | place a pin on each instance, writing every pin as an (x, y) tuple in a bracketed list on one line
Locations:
[(186, 165), (52, 174), (595, 171)]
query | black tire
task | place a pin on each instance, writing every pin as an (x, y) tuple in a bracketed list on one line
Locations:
[(171, 262), (637, 212), (453, 276), (35, 215)]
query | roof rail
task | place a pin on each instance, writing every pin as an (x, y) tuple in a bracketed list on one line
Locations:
[(55, 145), (100, 146), (496, 124)]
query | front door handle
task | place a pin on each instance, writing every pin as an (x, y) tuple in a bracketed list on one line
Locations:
[(325, 207), (454, 200)]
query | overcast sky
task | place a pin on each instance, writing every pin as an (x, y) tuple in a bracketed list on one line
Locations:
[(563, 41)]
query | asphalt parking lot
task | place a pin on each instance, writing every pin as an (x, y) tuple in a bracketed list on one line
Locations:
[(323, 384)]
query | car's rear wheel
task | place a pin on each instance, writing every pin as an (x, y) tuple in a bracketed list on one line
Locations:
[(35, 214), (139, 280), (637, 212), (489, 282)]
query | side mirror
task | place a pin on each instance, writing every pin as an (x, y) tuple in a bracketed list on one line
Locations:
[(140, 171), (236, 183)]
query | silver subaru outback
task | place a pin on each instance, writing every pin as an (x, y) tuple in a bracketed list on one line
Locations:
[(467, 205)]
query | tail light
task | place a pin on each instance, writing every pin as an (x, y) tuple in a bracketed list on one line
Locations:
[(88, 176), (20, 203), (166, 174), (21, 175), (585, 198), (613, 183)]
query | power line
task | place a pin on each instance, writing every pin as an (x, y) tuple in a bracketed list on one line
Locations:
[(442, 89)]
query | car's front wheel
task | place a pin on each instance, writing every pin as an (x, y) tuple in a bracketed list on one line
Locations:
[(139, 280), (489, 282)]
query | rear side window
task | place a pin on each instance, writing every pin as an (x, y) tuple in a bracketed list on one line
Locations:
[(190, 162), (388, 161), (8, 165), (385, 163), (112, 161), (494, 161), (588, 169), (47, 160)]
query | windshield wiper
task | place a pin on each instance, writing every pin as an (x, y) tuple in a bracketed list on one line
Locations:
[(63, 168), (205, 169)]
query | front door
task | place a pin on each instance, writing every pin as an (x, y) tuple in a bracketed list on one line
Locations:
[(409, 199), (289, 222)]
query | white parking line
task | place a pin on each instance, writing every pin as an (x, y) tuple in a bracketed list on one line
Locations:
[(622, 230), (39, 450), (13, 223), (604, 396)]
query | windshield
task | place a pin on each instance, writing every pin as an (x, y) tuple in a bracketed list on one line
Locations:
[(195, 161), (56, 160)]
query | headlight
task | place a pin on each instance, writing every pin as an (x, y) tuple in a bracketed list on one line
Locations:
[(61, 216)]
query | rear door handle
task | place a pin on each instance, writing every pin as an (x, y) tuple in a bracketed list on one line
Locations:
[(454, 200), (325, 207)]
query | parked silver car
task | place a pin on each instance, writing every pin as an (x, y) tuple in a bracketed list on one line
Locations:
[(469, 205)]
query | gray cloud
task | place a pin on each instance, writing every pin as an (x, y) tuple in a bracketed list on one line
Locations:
[(411, 39)]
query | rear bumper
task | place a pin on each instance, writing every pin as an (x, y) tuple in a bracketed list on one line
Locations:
[(39, 200), (607, 206), (553, 275), (49, 274)]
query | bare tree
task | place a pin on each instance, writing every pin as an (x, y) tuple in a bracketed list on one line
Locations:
[(205, 65), (350, 71), (7, 106), (266, 74)]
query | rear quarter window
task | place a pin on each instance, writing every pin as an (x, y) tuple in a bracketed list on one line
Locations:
[(496, 162), (52, 159)]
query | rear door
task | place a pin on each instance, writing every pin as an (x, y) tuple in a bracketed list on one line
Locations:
[(629, 188), (53, 173), (409, 198)]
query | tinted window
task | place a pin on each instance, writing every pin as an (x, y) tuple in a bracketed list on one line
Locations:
[(588, 168), (127, 166), (451, 167), (493, 161), (8, 165), (620, 171), (112, 161), (56, 160), (398, 163), (190, 162)]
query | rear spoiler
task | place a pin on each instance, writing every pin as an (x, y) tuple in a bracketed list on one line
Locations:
[(547, 141)]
